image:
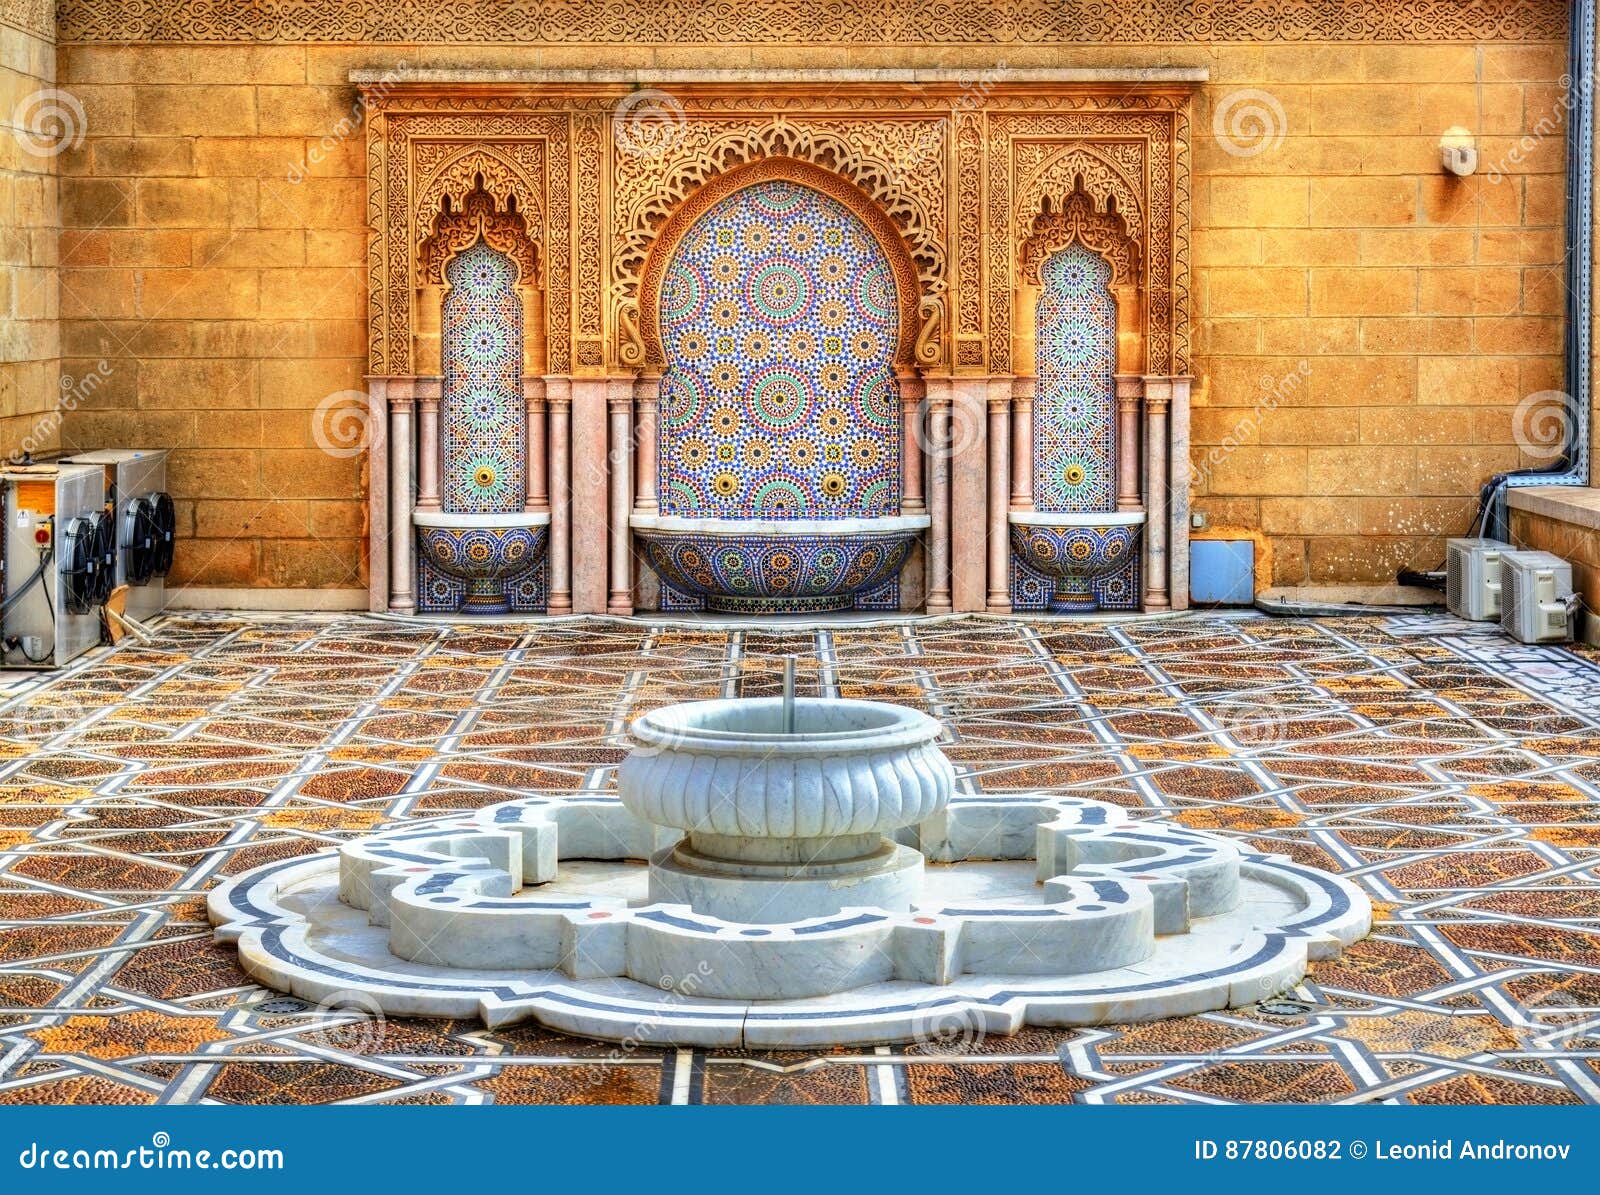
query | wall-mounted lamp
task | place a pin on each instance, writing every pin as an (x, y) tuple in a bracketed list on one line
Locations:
[(1457, 153)]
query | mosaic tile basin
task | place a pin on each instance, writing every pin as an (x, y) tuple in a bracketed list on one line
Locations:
[(777, 566), (484, 550), (1074, 550)]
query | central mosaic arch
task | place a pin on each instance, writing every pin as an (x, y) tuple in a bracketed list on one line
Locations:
[(779, 318)]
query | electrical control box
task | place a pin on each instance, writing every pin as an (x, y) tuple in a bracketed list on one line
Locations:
[(58, 562), (145, 522)]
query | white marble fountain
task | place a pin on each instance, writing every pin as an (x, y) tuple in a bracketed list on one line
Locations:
[(782, 872)]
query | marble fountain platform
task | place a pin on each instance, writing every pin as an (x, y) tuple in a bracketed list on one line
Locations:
[(780, 872)]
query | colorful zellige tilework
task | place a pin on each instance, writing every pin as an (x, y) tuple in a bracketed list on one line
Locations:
[(1074, 410), (484, 416), (779, 316)]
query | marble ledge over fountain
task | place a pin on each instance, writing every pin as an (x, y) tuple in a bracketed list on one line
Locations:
[(997, 76), (779, 528)]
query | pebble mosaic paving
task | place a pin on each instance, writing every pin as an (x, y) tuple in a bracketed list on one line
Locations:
[(1452, 773)]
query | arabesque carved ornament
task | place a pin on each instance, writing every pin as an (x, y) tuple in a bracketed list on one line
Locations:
[(964, 195), (805, 23)]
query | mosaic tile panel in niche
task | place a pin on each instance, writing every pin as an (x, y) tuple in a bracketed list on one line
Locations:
[(779, 317), (1074, 425), (484, 416)]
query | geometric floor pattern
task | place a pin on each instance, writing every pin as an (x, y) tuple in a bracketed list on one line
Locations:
[(1451, 773)]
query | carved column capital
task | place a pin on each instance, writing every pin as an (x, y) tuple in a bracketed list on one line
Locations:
[(558, 390), (1157, 393), (401, 391)]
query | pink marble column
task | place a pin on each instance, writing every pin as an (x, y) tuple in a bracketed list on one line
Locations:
[(1130, 389), (969, 493), (1178, 478), (538, 496), (939, 496), (647, 443), (912, 393), (999, 538), (558, 394), (1022, 392), (428, 461), (590, 494), (619, 406), (402, 586), (1157, 400), (377, 494)]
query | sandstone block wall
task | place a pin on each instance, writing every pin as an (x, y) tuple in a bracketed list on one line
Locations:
[(1366, 326)]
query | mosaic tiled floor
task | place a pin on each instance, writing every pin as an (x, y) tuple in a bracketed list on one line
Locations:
[(1452, 773)]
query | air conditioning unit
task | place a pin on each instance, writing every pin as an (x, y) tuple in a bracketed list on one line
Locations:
[(1472, 578), (1537, 597), (146, 523), (59, 564)]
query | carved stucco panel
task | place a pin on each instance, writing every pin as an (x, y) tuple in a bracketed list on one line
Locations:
[(415, 158), (961, 187), (896, 158)]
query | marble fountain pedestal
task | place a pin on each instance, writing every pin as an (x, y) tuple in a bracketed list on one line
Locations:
[(760, 886)]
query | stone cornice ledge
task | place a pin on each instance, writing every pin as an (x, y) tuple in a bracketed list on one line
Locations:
[(1577, 505), (995, 76)]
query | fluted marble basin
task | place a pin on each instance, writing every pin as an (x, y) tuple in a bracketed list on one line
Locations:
[(1075, 550), (761, 566), (780, 826)]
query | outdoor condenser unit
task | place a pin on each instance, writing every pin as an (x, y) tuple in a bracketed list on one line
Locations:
[(1538, 599), (146, 523), (59, 560), (1472, 578)]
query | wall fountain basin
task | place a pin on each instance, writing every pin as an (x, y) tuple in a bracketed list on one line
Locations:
[(765, 566), (785, 822), (484, 550), (1075, 550)]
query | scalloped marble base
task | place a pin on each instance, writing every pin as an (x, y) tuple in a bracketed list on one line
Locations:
[(1033, 910)]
